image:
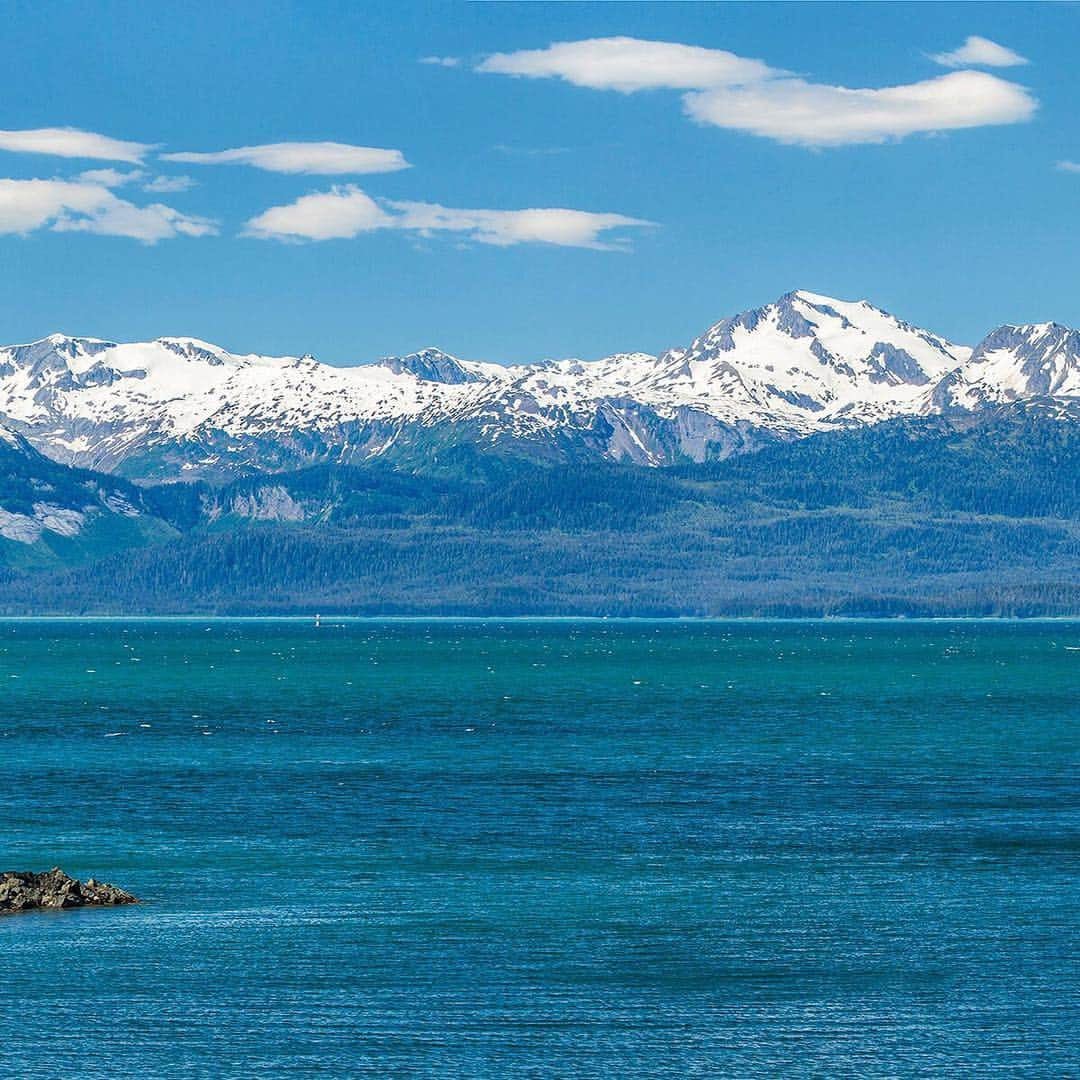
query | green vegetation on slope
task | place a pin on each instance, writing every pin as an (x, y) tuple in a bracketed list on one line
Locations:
[(944, 516)]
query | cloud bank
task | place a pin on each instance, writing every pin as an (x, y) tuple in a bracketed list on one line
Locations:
[(313, 158), (728, 91), (346, 211)]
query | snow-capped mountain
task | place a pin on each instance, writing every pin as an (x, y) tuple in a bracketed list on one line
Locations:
[(181, 405), (182, 408), (1014, 363), (433, 365), (803, 362)]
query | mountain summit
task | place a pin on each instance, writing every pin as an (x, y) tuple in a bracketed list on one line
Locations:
[(1015, 363), (807, 359)]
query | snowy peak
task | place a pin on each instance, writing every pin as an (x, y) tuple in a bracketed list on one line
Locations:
[(806, 360), (62, 379), (1014, 363), (59, 360), (433, 365), (54, 353), (193, 349), (841, 334), (1047, 355)]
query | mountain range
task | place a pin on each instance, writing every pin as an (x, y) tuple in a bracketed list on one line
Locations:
[(183, 409), (813, 456)]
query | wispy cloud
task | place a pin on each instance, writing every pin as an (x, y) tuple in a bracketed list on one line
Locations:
[(346, 211), (729, 91), (163, 185), (441, 61), (110, 178), (158, 185), (979, 52), (73, 143), (80, 206), (1068, 166), (530, 151), (313, 158), (504, 228)]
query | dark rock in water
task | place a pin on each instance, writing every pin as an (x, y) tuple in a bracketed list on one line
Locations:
[(54, 889)]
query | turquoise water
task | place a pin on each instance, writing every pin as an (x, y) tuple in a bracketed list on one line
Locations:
[(544, 849)]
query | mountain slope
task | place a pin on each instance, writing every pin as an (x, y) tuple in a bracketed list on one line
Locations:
[(51, 515), (960, 514)]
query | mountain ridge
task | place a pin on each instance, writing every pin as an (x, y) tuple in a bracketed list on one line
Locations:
[(182, 408)]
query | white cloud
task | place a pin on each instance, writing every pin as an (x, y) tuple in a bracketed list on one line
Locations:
[(1068, 166), (77, 206), (730, 91), (340, 213), (346, 211), (168, 184), (72, 143), (441, 61), (980, 51), (319, 158), (794, 111), (628, 64)]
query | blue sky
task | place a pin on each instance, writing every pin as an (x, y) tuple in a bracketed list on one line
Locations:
[(757, 175)]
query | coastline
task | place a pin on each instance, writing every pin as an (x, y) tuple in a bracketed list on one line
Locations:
[(664, 620)]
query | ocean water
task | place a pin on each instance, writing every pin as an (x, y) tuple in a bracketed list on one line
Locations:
[(544, 849)]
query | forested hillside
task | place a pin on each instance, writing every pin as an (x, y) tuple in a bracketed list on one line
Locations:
[(948, 515)]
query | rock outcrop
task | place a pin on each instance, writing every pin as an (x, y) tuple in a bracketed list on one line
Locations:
[(54, 889)]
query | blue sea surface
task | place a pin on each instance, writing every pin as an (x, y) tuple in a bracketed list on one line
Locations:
[(544, 849)]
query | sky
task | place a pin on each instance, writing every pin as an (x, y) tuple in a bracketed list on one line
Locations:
[(511, 182)]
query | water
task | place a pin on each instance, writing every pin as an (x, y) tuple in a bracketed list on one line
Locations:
[(544, 849)]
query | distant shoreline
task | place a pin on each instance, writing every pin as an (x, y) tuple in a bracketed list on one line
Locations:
[(328, 621)]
